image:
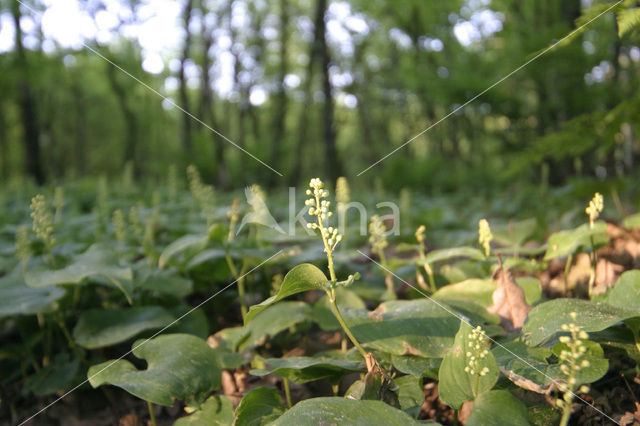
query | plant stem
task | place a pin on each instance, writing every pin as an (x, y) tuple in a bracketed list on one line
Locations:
[(287, 392), (347, 331), (240, 282), (566, 414), (432, 282), (592, 274), (567, 266), (152, 416)]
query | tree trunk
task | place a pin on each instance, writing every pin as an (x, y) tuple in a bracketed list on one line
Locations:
[(332, 163), (130, 119), (28, 108), (184, 99), (207, 110), (281, 94)]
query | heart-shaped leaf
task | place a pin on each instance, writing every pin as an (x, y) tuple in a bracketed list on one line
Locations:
[(564, 243), (180, 366), (96, 261), (56, 376), (180, 245), (451, 253), (301, 278), (306, 369), (259, 407), (18, 299), (410, 395), (481, 290), (98, 328), (343, 411), (456, 386), (275, 319), (498, 407), (546, 319), (625, 293), (215, 411), (417, 327)]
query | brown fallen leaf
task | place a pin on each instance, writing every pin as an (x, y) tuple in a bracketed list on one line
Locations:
[(509, 302), (129, 420)]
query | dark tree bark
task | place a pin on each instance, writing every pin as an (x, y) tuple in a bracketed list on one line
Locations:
[(207, 110), (332, 163), (184, 99), (28, 107), (319, 52), (281, 94), (130, 119)]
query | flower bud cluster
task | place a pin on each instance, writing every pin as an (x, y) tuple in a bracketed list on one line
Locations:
[(377, 234), (420, 234), (595, 207), (320, 208), (572, 359), (476, 351), (119, 226), (342, 193), (201, 192), (42, 220), (485, 236)]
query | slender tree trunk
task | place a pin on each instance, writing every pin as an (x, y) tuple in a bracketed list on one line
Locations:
[(303, 120), (281, 94), (129, 117), (207, 109), (28, 107), (332, 165), (184, 99)]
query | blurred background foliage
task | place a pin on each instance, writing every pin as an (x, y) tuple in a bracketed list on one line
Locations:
[(319, 88)]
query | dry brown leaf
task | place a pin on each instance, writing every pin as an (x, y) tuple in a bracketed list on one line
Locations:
[(129, 420), (509, 302)]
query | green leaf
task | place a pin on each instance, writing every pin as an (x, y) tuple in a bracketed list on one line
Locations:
[(216, 411), (598, 364), (305, 369), (98, 328), (275, 319), (633, 221), (259, 407), (417, 366), (323, 315), (410, 395), (18, 299), (96, 261), (628, 20), (498, 407), (625, 293), (180, 245), (180, 366), (56, 376), (343, 411), (481, 291), (456, 385), (451, 253), (417, 327), (165, 281), (301, 278), (564, 243), (546, 319)]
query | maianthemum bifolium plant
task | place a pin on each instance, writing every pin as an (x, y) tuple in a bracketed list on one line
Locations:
[(319, 207)]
